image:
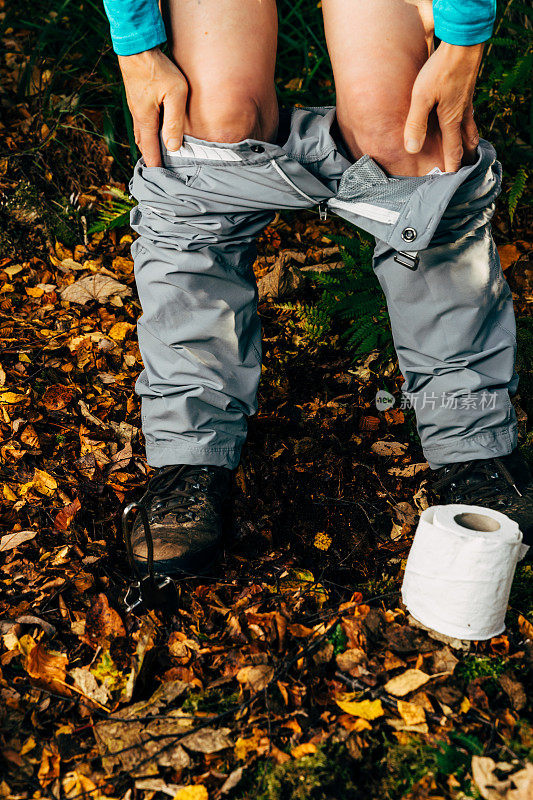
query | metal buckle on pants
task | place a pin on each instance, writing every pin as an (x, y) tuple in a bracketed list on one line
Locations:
[(149, 591), (409, 260)]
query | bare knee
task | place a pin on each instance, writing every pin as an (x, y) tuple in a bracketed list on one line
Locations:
[(373, 122), (230, 117)]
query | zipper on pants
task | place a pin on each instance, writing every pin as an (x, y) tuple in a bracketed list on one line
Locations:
[(321, 205)]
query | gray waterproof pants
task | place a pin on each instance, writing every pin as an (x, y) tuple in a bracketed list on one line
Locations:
[(450, 307)]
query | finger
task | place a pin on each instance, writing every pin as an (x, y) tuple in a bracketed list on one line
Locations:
[(452, 145), (417, 122), (470, 134), (148, 142), (173, 119)]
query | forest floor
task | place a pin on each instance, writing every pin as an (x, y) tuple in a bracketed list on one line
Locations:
[(292, 672)]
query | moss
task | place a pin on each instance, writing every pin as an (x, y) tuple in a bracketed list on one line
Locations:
[(472, 667), (329, 774), (212, 700), (522, 590), (26, 209)]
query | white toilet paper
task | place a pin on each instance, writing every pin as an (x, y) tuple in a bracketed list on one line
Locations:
[(460, 568)]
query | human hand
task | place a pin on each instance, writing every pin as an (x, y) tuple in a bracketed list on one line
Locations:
[(152, 81), (447, 80)]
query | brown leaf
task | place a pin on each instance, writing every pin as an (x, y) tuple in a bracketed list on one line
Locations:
[(514, 691), (57, 397), (255, 679), (97, 287), (407, 682), (444, 660), (487, 775), (208, 740), (508, 253), (386, 448), (47, 669), (351, 659), (64, 517), (411, 713), (12, 540), (524, 626), (282, 281), (103, 623)]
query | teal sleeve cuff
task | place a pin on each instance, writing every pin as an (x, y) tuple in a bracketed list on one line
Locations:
[(135, 25), (144, 40), (464, 22)]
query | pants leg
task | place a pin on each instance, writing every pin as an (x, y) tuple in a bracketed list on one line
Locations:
[(450, 307), (199, 334)]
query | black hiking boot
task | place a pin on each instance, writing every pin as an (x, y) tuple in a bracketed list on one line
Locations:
[(186, 508), (503, 483)]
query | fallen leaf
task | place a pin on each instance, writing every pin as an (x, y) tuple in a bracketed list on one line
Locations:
[(407, 682), (94, 287), (12, 540), (487, 775), (197, 792), (208, 740), (47, 668), (103, 623), (57, 397), (365, 709), (43, 482), (85, 681), (303, 750), (508, 253), (411, 713), (120, 330), (524, 626), (255, 679), (64, 517), (388, 448), (232, 780), (10, 398)]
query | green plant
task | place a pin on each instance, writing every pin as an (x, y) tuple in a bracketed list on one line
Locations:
[(114, 212), (351, 296)]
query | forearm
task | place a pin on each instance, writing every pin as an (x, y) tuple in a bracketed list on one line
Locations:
[(136, 25), (464, 22)]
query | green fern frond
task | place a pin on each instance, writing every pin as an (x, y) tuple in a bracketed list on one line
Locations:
[(113, 213), (516, 191)]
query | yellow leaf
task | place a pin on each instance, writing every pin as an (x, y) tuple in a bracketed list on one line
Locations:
[(34, 291), (11, 397), (8, 494), (365, 709), (407, 682), (28, 745), (303, 750), (197, 792), (120, 330), (465, 706), (322, 541), (7, 287), (411, 713), (525, 627), (44, 483)]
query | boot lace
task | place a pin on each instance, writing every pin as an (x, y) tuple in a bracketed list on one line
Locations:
[(485, 481), (173, 489)]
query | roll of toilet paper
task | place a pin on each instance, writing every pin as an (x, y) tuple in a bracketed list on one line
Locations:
[(460, 568)]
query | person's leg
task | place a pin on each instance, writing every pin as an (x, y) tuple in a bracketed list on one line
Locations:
[(227, 51), (197, 219), (377, 48), (199, 334), (452, 315)]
